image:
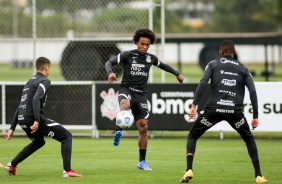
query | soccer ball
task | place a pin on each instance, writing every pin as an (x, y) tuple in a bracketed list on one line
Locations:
[(125, 119)]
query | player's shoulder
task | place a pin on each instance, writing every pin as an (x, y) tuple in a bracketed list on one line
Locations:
[(43, 79)]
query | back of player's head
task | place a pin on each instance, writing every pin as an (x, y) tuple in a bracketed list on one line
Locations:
[(41, 62), (227, 48), (146, 33)]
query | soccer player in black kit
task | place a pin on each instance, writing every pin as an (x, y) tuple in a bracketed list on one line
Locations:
[(228, 80), (29, 115), (133, 89)]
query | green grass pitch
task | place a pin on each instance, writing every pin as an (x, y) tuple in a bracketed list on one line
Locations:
[(216, 161)]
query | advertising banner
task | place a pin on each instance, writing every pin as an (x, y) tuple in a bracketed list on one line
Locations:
[(169, 105)]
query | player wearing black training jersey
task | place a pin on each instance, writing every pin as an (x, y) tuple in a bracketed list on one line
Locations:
[(29, 115), (228, 80), (133, 89)]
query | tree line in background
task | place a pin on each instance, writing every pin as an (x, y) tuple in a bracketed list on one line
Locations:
[(55, 18)]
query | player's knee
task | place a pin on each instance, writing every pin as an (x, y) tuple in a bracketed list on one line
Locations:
[(68, 135), (142, 126), (248, 139), (38, 143)]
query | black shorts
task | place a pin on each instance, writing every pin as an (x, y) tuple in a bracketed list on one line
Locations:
[(138, 102), (47, 127), (205, 121)]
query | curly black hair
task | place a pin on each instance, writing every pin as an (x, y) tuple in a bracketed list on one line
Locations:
[(147, 33)]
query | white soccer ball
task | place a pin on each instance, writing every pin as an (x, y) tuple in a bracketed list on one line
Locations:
[(125, 119)]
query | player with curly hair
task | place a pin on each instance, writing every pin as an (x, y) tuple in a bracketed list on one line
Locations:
[(133, 88)]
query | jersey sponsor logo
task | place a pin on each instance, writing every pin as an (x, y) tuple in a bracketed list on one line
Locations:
[(137, 65), (229, 82), (134, 61), (225, 102), (110, 105), (136, 90), (229, 93), (22, 106), (148, 59), (206, 122), (136, 70), (20, 117), (239, 123), (228, 73), (225, 111), (24, 98), (51, 134), (144, 105), (224, 61)]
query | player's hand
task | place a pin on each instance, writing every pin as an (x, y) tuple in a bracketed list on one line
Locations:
[(9, 135), (112, 77), (180, 78), (193, 113), (34, 127), (255, 123)]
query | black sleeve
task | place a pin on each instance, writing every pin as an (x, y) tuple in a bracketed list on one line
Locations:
[(15, 120), (110, 63), (203, 82), (38, 97), (252, 91), (167, 68)]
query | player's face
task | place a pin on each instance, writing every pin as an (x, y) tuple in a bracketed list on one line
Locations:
[(143, 45)]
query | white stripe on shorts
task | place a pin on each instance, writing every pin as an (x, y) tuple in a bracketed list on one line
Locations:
[(53, 124), (124, 96)]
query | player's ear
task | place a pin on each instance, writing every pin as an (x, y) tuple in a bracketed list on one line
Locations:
[(220, 52)]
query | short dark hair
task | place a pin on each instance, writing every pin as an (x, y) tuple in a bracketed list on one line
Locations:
[(41, 62), (147, 33), (227, 46)]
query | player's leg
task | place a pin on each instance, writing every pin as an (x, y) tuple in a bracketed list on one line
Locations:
[(141, 114), (59, 133), (240, 124), (142, 143), (37, 142), (201, 125), (124, 104)]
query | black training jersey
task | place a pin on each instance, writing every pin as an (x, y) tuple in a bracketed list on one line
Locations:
[(228, 80), (33, 100), (136, 67)]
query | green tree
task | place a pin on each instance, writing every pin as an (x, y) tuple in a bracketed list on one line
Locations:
[(238, 16), (271, 13)]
